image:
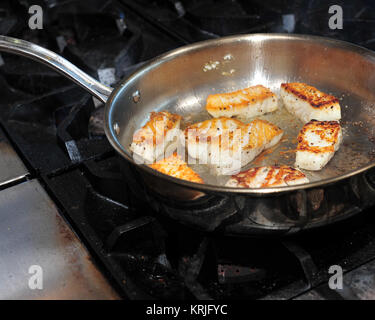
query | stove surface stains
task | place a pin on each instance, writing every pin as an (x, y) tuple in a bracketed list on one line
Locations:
[(12, 168), (35, 234)]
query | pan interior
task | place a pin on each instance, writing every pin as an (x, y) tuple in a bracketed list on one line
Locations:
[(180, 82)]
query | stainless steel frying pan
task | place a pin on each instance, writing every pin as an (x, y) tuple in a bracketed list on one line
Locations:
[(179, 81)]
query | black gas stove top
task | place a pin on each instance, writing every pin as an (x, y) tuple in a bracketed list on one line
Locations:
[(56, 128)]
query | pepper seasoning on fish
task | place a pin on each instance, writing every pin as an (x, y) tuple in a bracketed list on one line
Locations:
[(317, 143), (268, 176), (159, 134), (308, 103), (243, 104), (227, 144)]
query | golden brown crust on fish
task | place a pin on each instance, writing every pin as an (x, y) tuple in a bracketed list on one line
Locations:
[(261, 132), (174, 166), (159, 134), (238, 99), (317, 143), (270, 176), (212, 124), (171, 120), (257, 133), (310, 94), (328, 131), (228, 144), (212, 128)]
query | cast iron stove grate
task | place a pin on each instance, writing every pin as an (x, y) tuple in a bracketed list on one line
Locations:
[(150, 256)]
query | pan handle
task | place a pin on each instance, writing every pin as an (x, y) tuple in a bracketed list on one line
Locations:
[(60, 64)]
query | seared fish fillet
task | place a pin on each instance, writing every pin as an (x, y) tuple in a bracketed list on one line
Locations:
[(308, 103), (174, 166), (156, 136), (269, 176), (228, 144), (317, 143), (243, 104)]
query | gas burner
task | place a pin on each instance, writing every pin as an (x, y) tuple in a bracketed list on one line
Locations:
[(209, 18), (161, 259), (230, 17), (108, 50)]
